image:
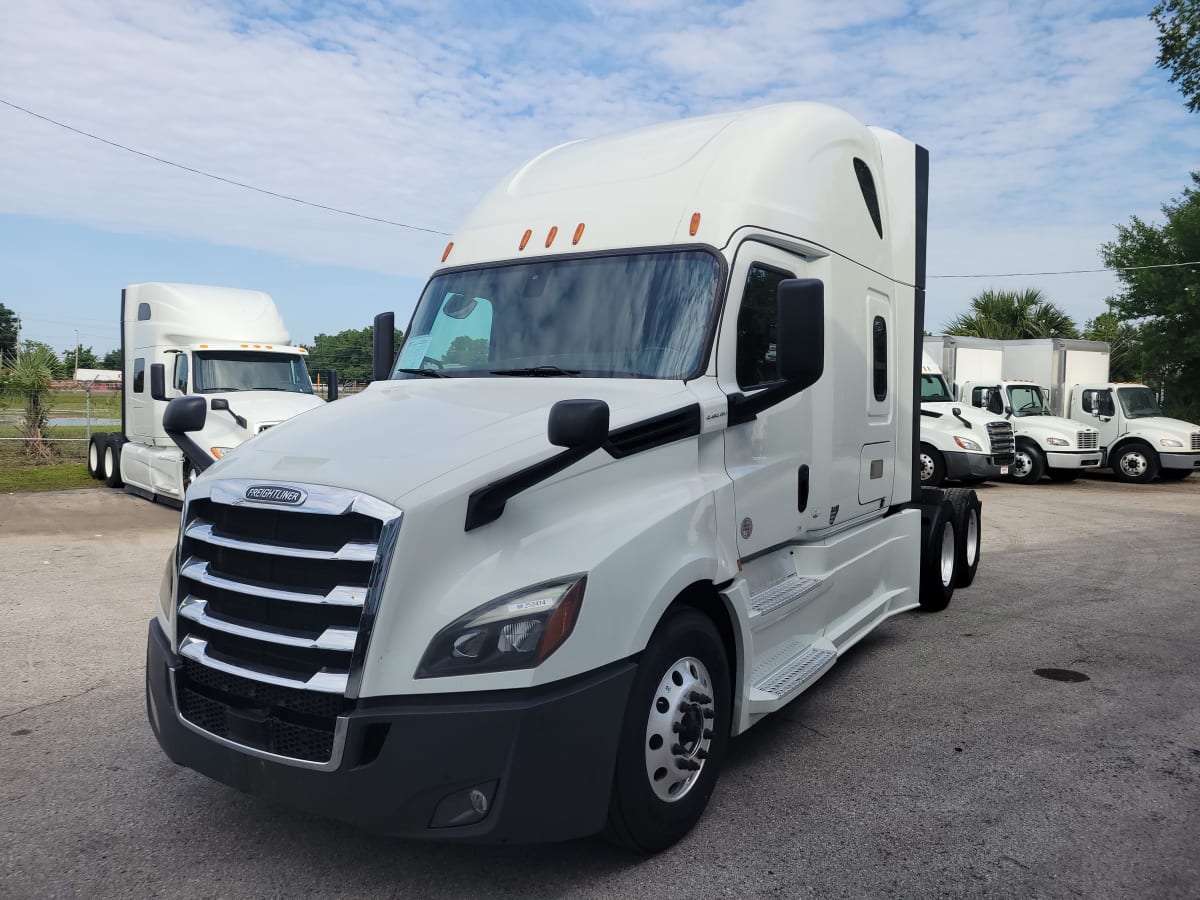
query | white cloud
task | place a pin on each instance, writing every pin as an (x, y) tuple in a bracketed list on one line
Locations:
[(1046, 123)]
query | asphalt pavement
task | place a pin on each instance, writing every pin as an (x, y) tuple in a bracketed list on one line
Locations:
[(930, 762)]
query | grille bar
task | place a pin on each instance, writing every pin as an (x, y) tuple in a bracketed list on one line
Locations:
[(352, 551), (1088, 440), (1003, 442), (326, 682), (1196, 440), (332, 638), (342, 595)]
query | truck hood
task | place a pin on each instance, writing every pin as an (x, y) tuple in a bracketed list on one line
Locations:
[(258, 408), (1164, 427), (1049, 426), (398, 435), (972, 414)]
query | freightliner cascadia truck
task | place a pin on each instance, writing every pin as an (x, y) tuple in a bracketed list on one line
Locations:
[(642, 472), (958, 441), (1137, 442), (1046, 444), (225, 345)]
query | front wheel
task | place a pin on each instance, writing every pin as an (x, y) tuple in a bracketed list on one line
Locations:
[(674, 735), (1028, 466), (932, 466), (1135, 463)]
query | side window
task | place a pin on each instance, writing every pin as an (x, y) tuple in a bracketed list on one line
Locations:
[(756, 362), (866, 184), (879, 361), (977, 397), (139, 375), (181, 372)]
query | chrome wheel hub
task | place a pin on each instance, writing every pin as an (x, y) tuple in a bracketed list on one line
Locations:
[(972, 536), (1134, 463), (1021, 465), (947, 554), (926, 466), (679, 729)]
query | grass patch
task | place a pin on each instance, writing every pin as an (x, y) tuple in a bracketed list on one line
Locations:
[(56, 477)]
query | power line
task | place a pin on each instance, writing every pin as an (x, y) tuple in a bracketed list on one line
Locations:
[(241, 184), (1074, 271), (357, 215)]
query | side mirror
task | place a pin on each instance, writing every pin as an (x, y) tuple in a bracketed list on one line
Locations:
[(578, 424), (220, 404), (383, 346), (1008, 411), (185, 414), (331, 386), (800, 331), (158, 381)]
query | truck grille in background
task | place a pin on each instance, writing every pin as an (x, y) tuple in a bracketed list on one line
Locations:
[(1004, 444), (274, 604), (1196, 440), (1088, 440)]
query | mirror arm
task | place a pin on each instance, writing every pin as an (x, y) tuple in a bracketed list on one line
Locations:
[(743, 408), (486, 504)]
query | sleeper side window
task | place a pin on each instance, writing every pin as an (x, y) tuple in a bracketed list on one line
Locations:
[(139, 375)]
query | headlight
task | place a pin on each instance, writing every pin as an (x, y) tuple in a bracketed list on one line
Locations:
[(218, 452), (1170, 442), (166, 587), (966, 443), (516, 631), (1057, 442)]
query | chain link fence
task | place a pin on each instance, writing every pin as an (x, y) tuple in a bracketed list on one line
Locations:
[(69, 417)]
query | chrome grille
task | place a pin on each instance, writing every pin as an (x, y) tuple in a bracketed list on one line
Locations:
[(1004, 444), (275, 605), (1196, 440), (1088, 440)]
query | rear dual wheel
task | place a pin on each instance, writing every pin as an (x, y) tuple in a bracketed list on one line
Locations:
[(95, 455), (968, 515), (112, 460)]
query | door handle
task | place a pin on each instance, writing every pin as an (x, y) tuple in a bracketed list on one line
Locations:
[(802, 492)]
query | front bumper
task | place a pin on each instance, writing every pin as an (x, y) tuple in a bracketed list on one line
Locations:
[(1179, 460), (543, 756), (1073, 459), (974, 465)]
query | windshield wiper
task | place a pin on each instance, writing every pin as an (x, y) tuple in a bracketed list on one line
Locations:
[(538, 372), (428, 373)]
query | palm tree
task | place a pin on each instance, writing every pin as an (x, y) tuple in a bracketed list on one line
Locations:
[(29, 383), (1009, 315)]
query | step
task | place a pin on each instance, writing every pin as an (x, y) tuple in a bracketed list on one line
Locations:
[(780, 594), (788, 671)]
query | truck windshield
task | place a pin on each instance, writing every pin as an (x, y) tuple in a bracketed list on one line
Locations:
[(1027, 400), (231, 370), (643, 315), (934, 390), (1138, 402)]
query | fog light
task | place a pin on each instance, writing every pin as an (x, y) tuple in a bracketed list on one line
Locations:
[(464, 807)]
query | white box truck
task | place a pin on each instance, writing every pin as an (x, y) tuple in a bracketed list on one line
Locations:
[(1137, 442), (1046, 444), (958, 441), (642, 472), (227, 346)]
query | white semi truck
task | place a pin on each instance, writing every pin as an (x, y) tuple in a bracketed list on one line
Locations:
[(643, 471), (1046, 444), (1137, 442), (958, 441), (228, 347)]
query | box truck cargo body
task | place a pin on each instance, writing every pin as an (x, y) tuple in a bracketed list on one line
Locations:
[(1046, 444), (226, 345), (642, 472), (1136, 440)]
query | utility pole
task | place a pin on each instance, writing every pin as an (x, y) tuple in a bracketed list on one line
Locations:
[(76, 372)]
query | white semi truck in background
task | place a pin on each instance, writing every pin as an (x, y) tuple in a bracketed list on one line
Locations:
[(227, 346), (1136, 440), (958, 441), (529, 592), (1046, 444)]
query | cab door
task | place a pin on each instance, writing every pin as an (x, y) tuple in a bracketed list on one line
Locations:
[(768, 458)]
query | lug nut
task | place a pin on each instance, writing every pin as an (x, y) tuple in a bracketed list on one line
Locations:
[(698, 697)]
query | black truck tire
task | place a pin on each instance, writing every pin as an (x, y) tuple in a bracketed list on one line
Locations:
[(939, 556), (95, 454), (968, 515), (112, 461)]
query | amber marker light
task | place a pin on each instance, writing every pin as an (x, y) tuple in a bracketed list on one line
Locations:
[(446, 252), (578, 233), (695, 226), (525, 238), (551, 236)]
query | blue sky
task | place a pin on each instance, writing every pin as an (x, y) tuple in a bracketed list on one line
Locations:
[(1047, 123)]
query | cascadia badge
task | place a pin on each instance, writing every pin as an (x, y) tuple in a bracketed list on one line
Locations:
[(269, 493)]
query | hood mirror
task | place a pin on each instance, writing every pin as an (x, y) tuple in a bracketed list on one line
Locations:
[(578, 424)]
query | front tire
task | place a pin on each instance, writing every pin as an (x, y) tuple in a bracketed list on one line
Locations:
[(1028, 466), (932, 466), (1135, 463), (674, 735)]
